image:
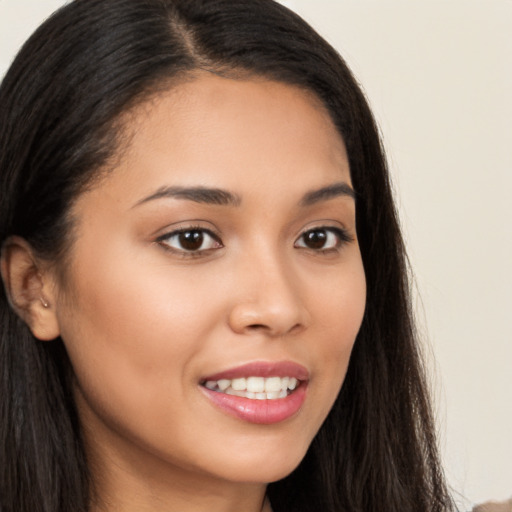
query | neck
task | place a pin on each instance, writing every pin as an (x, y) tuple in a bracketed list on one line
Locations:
[(135, 482), (123, 490)]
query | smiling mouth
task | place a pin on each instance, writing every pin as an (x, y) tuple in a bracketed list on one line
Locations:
[(255, 388)]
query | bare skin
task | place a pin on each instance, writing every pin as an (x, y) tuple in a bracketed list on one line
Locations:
[(273, 274), (494, 506)]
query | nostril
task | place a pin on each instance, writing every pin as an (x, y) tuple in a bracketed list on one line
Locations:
[(255, 327), (267, 328), (260, 318)]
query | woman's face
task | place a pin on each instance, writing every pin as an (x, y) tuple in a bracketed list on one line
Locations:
[(215, 286)]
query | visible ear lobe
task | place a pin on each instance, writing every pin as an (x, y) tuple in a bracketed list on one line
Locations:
[(29, 294)]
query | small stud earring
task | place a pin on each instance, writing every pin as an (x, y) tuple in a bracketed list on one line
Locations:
[(44, 303)]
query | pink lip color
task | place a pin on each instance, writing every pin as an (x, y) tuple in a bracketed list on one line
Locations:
[(263, 369), (261, 411)]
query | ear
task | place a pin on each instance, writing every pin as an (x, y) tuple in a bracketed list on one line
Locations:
[(29, 288)]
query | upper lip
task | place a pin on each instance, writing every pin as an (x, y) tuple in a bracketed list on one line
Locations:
[(263, 369)]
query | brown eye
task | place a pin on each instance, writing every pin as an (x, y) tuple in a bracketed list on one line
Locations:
[(190, 240), (322, 239), (315, 239)]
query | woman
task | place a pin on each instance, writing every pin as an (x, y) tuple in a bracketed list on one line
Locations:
[(185, 284)]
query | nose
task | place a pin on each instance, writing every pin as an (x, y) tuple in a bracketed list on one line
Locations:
[(269, 300)]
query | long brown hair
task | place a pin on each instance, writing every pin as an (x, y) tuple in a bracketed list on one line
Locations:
[(60, 103)]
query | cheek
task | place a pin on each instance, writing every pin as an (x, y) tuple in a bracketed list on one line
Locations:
[(339, 308), (133, 327), (126, 298)]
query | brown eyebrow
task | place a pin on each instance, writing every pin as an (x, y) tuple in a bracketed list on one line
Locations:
[(197, 194), (328, 192), (217, 196)]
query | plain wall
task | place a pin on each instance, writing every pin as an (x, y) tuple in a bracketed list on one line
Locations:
[(438, 75)]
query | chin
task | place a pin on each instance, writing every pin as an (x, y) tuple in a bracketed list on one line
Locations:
[(264, 466)]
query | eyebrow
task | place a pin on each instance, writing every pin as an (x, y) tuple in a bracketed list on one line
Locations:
[(217, 196), (204, 195), (328, 192)]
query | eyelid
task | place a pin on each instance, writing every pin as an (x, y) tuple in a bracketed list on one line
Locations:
[(186, 225)]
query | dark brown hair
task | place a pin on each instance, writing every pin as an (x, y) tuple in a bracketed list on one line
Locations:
[(60, 105)]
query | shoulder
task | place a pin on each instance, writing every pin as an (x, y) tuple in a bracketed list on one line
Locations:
[(494, 506)]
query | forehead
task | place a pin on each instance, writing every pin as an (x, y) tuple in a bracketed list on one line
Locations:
[(234, 134)]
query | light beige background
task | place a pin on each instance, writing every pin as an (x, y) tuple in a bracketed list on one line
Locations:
[(439, 77)]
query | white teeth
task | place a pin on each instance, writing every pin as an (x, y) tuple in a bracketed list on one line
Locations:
[(255, 384), (256, 388), (223, 384), (272, 384), (239, 384)]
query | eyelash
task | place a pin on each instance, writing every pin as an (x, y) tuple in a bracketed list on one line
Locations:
[(341, 237)]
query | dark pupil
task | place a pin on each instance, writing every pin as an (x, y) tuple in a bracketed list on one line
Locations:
[(315, 239), (191, 240)]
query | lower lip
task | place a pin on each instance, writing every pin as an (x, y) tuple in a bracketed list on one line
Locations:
[(263, 412)]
